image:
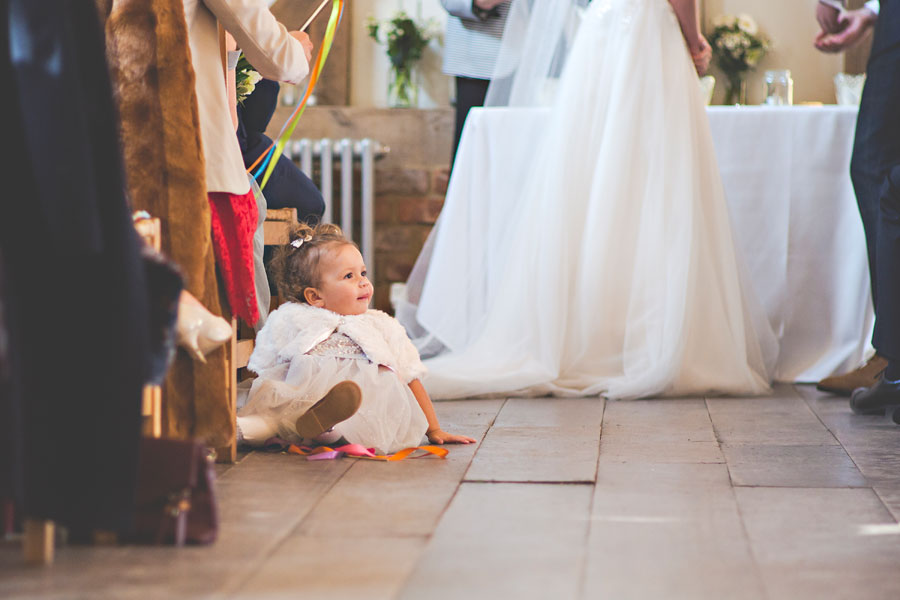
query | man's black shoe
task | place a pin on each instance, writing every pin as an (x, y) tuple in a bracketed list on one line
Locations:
[(895, 417), (877, 399)]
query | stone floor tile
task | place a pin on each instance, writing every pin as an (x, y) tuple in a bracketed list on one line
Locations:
[(128, 572), (822, 543), (850, 429), (890, 496), (667, 531), (541, 440), (458, 415), (333, 568), (404, 498), (554, 413), (658, 431), (653, 451), (879, 465), (780, 419), (268, 493), (498, 541), (261, 500), (668, 420), (791, 466), (527, 454)]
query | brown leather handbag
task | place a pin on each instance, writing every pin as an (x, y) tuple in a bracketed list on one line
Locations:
[(175, 496)]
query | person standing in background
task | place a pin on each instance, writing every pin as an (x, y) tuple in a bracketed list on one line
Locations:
[(471, 45), (875, 170)]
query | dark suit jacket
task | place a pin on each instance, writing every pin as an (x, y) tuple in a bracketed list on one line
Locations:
[(75, 298)]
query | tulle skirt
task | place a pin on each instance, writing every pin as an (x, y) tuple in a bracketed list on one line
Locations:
[(619, 274), (389, 418)]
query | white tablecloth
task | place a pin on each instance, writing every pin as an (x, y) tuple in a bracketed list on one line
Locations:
[(786, 177)]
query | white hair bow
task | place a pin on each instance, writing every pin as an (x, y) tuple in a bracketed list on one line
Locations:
[(299, 241)]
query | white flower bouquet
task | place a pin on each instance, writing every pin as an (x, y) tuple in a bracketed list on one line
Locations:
[(245, 78), (737, 48)]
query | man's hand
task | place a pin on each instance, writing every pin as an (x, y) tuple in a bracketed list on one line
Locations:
[(487, 4), (828, 17), (701, 55), (854, 26), (301, 37)]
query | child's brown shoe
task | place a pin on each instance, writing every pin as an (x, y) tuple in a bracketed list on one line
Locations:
[(339, 404)]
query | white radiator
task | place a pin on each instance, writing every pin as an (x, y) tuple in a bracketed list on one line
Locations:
[(347, 153)]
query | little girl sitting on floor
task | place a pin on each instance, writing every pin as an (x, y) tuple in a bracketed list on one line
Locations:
[(329, 367)]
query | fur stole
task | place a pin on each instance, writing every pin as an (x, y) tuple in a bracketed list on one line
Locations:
[(294, 329), (153, 83)]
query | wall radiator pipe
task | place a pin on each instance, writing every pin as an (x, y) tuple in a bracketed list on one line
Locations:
[(348, 152)]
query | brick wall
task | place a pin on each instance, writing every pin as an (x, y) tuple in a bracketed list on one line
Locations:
[(410, 180)]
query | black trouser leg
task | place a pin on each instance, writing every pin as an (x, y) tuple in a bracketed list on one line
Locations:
[(469, 93), (876, 150), (887, 323)]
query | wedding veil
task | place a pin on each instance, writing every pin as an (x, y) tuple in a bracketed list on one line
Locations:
[(533, 50), (535, 44)]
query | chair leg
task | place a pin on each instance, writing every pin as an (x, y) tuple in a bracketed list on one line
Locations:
[(228, 453), (151, 410), (38, 542)]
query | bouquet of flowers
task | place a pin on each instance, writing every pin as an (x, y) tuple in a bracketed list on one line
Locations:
[(737, 48), (245, 78), (406, 41)]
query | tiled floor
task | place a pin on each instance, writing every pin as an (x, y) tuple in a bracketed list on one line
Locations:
[(786, 497)]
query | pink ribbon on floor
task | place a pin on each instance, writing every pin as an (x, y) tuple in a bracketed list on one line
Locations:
[(358, 451)]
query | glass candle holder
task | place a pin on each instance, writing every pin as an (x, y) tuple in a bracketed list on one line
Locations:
[(779, 88)]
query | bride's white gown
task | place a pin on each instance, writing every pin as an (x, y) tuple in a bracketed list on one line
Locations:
[(619, 275)]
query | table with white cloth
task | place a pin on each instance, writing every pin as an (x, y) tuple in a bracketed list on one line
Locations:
[(786, 176)]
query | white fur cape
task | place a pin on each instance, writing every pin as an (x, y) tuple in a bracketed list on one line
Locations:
[(294, 329)]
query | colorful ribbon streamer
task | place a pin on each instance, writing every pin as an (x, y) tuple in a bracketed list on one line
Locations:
[(357, 451), (273, 153)]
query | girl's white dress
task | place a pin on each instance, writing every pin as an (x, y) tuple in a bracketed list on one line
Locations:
[(303, 351), (618, 273)]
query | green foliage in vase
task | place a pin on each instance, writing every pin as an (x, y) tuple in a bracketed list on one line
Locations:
[(405, 42)]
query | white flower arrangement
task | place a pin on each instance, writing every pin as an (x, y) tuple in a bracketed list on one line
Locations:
[(737, 48), (743, 21)]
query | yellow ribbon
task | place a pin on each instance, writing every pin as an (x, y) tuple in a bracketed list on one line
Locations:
[(273, 152)]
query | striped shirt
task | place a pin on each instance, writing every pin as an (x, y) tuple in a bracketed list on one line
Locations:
[(470, 44)]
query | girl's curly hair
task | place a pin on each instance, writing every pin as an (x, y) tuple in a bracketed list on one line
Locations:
[(295, 266)]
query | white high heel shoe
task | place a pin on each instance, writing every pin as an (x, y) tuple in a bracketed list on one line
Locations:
[(199, 331)]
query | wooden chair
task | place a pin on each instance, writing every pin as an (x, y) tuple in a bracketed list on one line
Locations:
[(276, 232), (151, 406), (277, 226), (238, 355)]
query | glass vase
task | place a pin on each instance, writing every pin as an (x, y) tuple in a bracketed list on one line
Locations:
[(403, 88), (736, 90)]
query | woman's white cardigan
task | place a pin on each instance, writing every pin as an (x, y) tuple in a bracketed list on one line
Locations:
[(294, 329)]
